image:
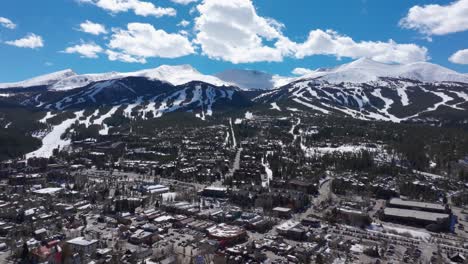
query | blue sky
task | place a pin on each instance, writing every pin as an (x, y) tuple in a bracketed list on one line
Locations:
[(219, 35)]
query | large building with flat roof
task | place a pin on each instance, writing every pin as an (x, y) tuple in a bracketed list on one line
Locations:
[(414, 216), (435, 217), (415, 205)]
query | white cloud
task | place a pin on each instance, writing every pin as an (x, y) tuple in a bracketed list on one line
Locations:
[(301, 71), (183, 23), (92, 28), (86, 50), (232, 31), (31, 41), (184, 32), (140, 8), (438, 19), (331, 43), (460, 57), (184, 2), (7, 23), (141, 41), (118, 56)]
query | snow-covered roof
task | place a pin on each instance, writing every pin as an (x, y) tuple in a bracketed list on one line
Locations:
[(67, 79), (81, 241), (367, 70), (48, 190)]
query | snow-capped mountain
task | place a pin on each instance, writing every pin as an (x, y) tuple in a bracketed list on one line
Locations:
[(369, 90), (252, 79), (362, 89), (48, 79), (366, 70), (384, 98), (67, 80)]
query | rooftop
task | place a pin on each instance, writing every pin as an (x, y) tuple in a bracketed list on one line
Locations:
[(422, 205), (48, 190), (414, 214), (81, 241)]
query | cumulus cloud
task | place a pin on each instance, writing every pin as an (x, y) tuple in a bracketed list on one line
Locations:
[(141, 41), (7, 23), (460, 57), (140, 8), (92, 28), (118, 56), (183, 23), (331, 43), (31, 41), (233, 31), (86, 50), (437, 19), (184, 2)]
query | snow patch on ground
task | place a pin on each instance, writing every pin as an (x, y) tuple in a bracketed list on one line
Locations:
[(249, 115), (403, 95), (268, 172), (274, 106), (48, 115), (129, 109), (313, 107), (53, 139), (401, 231), (234, 142), (100, 120)]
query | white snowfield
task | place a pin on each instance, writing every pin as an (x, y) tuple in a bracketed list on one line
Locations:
[(47, 79), (358, 100), (366, 70), (53, 139), (67, 79), (360, 71)]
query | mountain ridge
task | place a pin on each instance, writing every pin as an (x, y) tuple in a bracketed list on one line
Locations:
[(359, 71)]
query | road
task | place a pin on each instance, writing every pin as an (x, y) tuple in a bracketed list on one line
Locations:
[(236, 164)]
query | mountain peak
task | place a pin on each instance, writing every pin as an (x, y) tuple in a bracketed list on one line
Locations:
[(46, 79), (182, 67), (367, 70)]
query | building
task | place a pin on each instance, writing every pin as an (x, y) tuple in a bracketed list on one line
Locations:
[(215, 192), (352, 217), (415, 217), (419, 206), (48, 191), (227, 234), (83, 246), (141, 237), (156, 189), (282, 212), (303, 186)]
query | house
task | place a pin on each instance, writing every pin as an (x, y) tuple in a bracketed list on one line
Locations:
[(83, 246), (141, 236), (282, 212)]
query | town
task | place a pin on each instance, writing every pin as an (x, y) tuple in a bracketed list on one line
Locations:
[(260, 188)]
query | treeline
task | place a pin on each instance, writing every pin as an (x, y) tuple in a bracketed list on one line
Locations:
[(416, 145), (13, 145)]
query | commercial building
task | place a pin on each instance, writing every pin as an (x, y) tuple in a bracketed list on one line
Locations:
[(83, 246), (415, 217), (414, 205), (227, 234)]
